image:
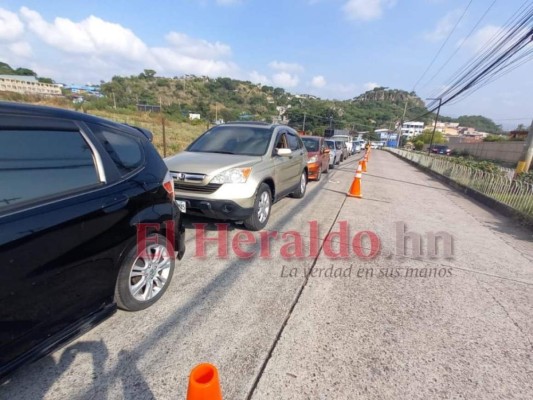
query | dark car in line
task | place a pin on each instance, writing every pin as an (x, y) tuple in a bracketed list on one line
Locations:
[(440, 149), (75, 191)]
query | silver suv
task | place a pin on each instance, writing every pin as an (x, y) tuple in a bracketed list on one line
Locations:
[(236, 171)]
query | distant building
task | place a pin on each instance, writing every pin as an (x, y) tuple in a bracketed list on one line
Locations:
[(149, 108), (412, 128), (92, 90), (447, 128), (518, 135), (27, 85), (193, 116)]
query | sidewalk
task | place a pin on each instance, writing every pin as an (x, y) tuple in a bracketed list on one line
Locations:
[(383, 333)]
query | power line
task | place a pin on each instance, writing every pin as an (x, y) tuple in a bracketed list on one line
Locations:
[(461, 44), (501, 56), (443, 44)]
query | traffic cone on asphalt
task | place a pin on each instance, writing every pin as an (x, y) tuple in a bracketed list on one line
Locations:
[(363, 164), (204, 383), (355, 189)]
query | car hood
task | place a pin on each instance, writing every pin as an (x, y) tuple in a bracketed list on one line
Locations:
[(312, 154), (208, 163)]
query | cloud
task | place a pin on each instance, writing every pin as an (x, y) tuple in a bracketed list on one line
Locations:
[(256, 77), (443, 27), (11, 27), (370, 85), (173, 61), (90, 36), (198, 48), (21, 49), (366, 10), (286, 67), (481, 37), (285, 79), (109, 49), (318, 81)]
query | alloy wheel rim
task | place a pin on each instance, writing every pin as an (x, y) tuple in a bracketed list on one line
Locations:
[(264, 207), (149, 273), (302, 183)]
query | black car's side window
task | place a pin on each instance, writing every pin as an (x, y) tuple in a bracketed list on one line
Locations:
[(38, 164), (293, 142), (124, 150)]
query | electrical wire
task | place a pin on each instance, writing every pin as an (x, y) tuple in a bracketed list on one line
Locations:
[(442, 46), (461, 44)]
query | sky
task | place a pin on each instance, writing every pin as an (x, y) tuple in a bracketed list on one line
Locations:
[(334, 49)]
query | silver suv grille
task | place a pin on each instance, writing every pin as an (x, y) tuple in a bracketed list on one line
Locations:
[(209, 188), (190, 182)]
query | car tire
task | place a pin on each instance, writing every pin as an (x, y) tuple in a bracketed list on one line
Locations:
[(262, 207), (145, 276), (332, 166), (302, 186), (319, 174)]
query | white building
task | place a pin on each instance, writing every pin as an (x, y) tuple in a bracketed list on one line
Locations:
[(412, 128), (27, 85), (193, 116)]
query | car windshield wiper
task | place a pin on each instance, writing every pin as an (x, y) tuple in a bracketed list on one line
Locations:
[(220, 152)]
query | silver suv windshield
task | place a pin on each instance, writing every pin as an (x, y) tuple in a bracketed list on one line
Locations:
[(240, 140)]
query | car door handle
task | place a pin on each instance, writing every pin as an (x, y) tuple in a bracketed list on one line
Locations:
[(115, 203)]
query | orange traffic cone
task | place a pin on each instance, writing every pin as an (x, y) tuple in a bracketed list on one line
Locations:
[(363, 163), (204, 383), (355, 189)]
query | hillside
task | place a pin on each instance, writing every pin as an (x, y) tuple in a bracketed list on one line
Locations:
[(230, 99)]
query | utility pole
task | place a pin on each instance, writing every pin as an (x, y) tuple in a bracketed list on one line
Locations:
[(303, 128), (435, 124), (527, 155), (114, 101), (399, 139), (164, 137)]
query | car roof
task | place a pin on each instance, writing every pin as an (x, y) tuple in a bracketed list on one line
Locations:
[(258, 124), (311, 137), (24, 109)]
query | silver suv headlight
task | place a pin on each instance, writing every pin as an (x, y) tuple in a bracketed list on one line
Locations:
[(233, 175)]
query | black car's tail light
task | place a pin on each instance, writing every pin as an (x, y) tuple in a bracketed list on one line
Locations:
[(168, 184)]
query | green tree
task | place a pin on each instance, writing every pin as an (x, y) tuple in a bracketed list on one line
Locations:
[(419, 145), (425, 137), (494, 138)]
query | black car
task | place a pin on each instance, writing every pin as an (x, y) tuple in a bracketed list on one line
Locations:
[(77, 195), (440, 149)]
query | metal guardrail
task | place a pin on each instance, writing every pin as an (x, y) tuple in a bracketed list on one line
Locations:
[(502, 188)]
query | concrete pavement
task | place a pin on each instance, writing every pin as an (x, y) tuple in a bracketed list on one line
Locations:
[(376, 332)]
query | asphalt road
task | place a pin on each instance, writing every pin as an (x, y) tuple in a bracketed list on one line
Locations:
[(391, 327)]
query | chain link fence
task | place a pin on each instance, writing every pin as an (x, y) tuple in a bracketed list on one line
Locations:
[(500, 187)]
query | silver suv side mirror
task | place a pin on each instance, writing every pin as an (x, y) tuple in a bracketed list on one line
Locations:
[(283, 152)]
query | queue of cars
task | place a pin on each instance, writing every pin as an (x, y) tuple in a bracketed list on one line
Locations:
[(91, 216)]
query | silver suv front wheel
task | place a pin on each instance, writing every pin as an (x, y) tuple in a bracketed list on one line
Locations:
[(261, 212)]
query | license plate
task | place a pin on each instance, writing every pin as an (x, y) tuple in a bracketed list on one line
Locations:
[(182, 206)]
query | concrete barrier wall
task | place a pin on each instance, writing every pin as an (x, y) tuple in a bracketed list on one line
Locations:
[(508, 152)]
